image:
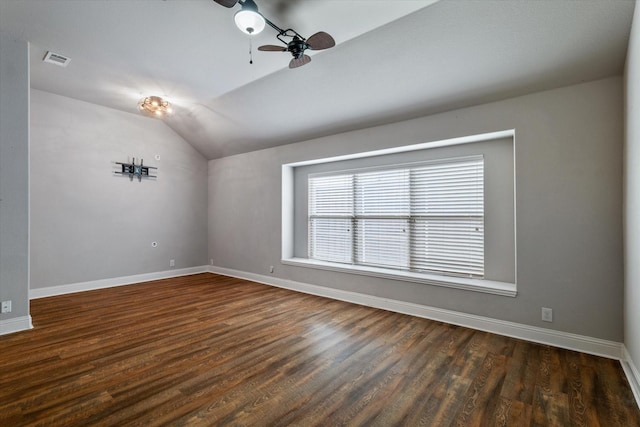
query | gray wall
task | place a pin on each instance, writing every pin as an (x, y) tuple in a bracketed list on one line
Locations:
[(14, 177), (632, 196), (568, 200), (89, 224)]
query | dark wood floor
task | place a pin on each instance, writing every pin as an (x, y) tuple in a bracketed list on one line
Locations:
[(212, 350)]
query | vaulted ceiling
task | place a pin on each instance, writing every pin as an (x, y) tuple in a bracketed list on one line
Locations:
[(394, 59)]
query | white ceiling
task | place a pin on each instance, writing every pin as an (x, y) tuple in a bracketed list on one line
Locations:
[(394, 59)]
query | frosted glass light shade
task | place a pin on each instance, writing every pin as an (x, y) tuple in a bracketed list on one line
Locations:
[(249, 21)]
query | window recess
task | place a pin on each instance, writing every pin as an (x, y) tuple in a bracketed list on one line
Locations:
[(457, 235)]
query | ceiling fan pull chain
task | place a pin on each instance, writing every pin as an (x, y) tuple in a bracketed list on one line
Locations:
[(250, 50)]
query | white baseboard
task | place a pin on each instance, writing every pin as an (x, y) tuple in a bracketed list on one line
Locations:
[(116, 281), (595, 346), (633, 374), (16, 324)]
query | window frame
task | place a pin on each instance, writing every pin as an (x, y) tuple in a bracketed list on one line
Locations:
[(411, 216), (496, 287)]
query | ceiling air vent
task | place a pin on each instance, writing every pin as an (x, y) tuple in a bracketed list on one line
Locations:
[(55, 58)]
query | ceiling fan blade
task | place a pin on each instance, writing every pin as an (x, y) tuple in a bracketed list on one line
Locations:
[(320, 41), (299, 62), (226, 3), (272, 48)]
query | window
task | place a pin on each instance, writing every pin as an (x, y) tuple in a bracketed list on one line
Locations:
[(438, 213), (422, 218)]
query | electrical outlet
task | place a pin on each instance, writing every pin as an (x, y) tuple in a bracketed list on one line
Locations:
[(271, 269), (211, 261), (547, 314), (172, 263), (6, 306)]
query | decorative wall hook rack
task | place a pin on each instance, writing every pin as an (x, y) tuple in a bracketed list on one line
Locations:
[(134, 170)]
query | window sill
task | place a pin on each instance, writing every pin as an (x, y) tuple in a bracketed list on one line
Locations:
[(475, 285)]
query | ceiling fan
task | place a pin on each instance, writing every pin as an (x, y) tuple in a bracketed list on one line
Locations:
[(250, 21)]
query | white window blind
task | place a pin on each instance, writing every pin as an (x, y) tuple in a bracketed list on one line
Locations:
[(425, 218)]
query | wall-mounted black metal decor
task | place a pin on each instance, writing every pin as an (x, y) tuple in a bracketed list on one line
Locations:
[(134, 170)]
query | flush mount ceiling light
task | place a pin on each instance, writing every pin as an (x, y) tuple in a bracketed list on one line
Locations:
[(154, 106), (248, 19)]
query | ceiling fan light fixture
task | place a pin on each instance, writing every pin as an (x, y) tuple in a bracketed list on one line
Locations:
[(154, 106), (248, 19)]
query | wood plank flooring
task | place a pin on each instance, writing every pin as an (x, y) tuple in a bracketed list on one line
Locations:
[(208, 350)]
